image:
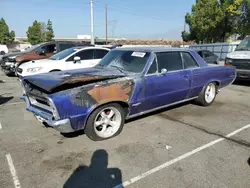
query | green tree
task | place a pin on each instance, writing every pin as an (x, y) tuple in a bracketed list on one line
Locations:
[(34, 33), (6, 37), (12, 36), (50, 32), (243, 27), (213, 20)]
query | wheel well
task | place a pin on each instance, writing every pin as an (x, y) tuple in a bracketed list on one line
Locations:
[(217, 83), (54, 70), (124, 105)]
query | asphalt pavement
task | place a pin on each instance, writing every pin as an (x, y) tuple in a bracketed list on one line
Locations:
[(182, 146)]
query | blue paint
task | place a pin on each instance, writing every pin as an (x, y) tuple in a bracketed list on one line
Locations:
[(149, 92)]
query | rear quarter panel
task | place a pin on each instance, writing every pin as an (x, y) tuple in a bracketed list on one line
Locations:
[(221, 75)]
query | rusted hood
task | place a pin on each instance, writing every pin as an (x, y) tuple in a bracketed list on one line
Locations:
[(64, 79)]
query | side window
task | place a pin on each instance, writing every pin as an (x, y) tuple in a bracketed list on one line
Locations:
[(189, 61), (49, 48), (65, 46), (153, 68), (86, 54), (169, 60), (99, 54)]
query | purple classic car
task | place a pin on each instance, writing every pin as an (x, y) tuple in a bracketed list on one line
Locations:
[(127, 82)]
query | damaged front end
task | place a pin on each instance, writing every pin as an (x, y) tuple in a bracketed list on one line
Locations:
[(64, 100)]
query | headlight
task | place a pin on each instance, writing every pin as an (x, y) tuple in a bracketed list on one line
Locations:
[(35, 69), (12, 57), (228, 61)]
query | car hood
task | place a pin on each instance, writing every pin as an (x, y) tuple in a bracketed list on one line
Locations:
[(239, 55), (13, 54), (36, 63), (50, 82)]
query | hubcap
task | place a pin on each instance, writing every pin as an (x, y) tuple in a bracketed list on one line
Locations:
[(210, 93), (107, 122)]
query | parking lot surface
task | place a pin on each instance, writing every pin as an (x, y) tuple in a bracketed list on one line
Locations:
[(182, 146)]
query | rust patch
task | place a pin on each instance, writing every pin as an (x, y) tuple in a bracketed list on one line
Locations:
[(83, 79), (114, 92)]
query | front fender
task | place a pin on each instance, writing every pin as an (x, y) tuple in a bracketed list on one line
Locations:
[(77, 104)]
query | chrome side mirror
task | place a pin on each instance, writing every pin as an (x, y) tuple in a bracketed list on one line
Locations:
[(164, 71)]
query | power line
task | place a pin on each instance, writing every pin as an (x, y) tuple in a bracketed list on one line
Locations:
[(127, 10)]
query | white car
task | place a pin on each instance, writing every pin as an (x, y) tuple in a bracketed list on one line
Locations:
[(71, 58), (3, 49)]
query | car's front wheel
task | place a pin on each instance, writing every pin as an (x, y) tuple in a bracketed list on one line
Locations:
[(105, 122), (208, 94)]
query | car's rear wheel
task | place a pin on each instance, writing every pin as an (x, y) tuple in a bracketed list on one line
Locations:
[(105, 122), (208, 94)]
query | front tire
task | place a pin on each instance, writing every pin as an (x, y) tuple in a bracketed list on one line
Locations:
[(207, 95), (105, 122)]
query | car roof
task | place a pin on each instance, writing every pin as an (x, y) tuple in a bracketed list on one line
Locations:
[(153, 49)]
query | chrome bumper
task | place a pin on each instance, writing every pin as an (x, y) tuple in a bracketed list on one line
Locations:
[(63, 126)]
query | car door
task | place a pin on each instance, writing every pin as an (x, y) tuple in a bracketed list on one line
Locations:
[(86, 59), (166, 88)]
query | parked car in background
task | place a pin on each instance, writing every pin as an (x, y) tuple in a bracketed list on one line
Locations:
[(126, 83), (240, 59), (3, 49), (71, 58), (209, 56), (40, 51)]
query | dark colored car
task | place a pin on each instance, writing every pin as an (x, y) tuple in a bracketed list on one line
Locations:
[(127, 82), (11, 61), (208, 56)]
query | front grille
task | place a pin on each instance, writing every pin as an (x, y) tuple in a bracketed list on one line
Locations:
[(19, 70), (241, 64)]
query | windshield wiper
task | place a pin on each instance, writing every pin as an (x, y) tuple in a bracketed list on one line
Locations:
[(118, 68)]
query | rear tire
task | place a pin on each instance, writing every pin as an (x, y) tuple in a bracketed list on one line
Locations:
[(2, 53), (105, 122), (207, 95)]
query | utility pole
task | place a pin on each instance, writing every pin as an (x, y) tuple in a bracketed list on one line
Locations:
[(92, 21), (106, 22)]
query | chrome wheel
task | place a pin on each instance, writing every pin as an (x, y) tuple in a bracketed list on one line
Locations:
[(210, 93), (107, 122)]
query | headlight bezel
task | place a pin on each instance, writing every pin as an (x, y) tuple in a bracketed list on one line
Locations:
[(228, 61)]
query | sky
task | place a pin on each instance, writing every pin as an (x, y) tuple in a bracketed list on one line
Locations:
[(133, 19)]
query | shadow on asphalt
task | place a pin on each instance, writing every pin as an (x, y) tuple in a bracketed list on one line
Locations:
[(96, 175), (242, 83), (73, 134), (4, 100), (248, 161)]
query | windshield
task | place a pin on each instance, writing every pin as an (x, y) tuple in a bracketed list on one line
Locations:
[(244, 44), (63, 54), (128, 61)]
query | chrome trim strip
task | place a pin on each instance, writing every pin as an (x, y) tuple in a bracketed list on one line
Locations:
[(54, 109), (158, 108)]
